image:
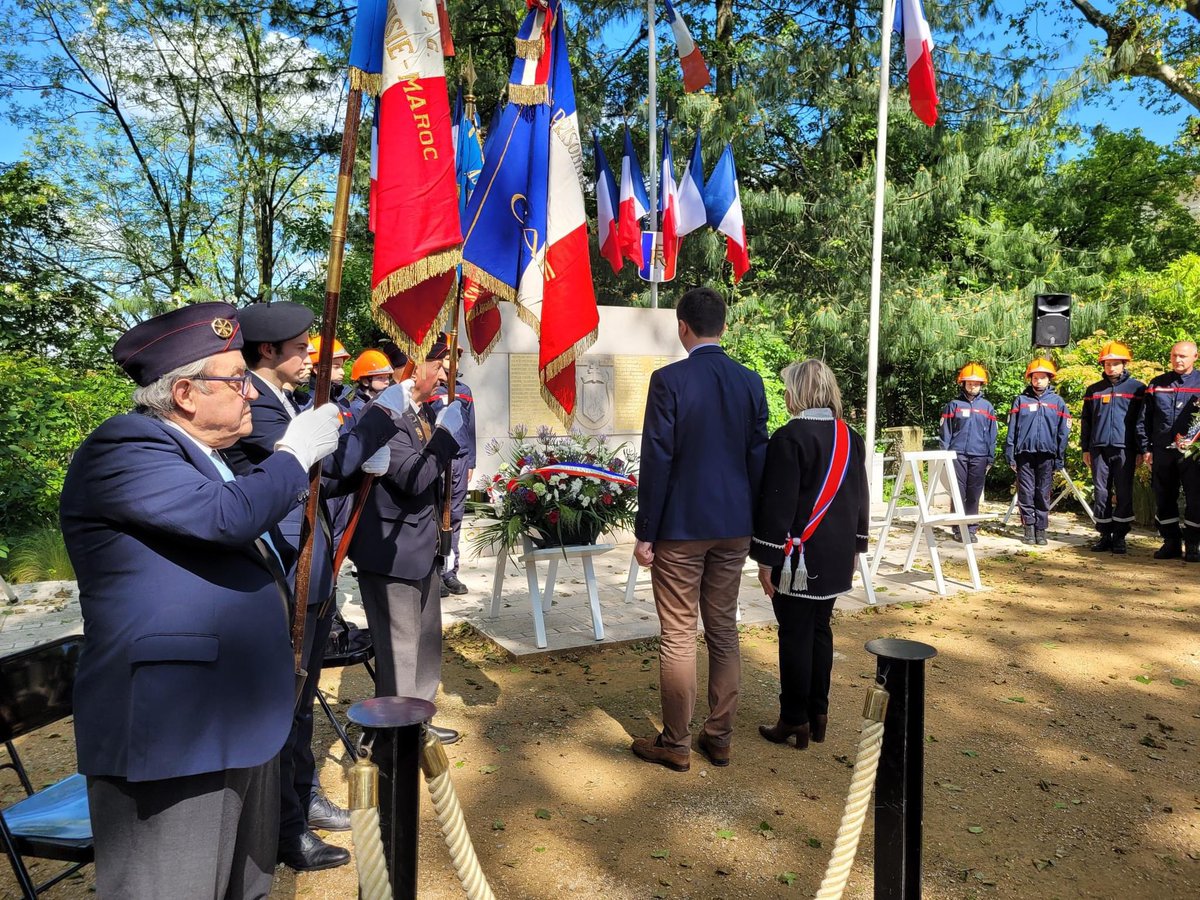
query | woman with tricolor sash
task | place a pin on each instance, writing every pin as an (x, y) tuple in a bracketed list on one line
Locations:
[(810, 523)]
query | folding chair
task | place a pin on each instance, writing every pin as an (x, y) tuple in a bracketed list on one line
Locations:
[(348, 646), (35, 690)]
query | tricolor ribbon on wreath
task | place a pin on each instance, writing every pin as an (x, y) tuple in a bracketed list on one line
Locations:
[(793, 577)]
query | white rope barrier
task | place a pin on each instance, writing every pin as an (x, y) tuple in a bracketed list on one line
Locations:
[(368, 855), (450, 817), (862, 783)]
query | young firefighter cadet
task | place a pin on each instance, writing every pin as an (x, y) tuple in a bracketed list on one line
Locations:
[(1039, 425), (1171, 401), (969, 429), (1111, 444)]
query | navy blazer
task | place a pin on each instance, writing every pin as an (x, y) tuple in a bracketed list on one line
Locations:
[(704, 443), (270, 420), (186, 665), (397, 535)]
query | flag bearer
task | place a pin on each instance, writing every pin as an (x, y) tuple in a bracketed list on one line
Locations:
[(1039, 424), (1108, 437), (969, 429)]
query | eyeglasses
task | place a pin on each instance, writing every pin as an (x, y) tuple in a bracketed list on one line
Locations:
[(242, 382)]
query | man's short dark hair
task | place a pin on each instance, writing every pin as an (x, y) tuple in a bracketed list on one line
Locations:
[(703, 309), (250, 352)]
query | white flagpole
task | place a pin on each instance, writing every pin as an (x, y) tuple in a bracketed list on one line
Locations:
[(652, 117), (885, 53)]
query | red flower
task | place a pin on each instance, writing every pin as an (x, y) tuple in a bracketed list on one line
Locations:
[(512, 485), (531, 498), (552, 517), (607, 499)]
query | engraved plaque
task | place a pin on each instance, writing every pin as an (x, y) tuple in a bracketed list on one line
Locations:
[(525, 404), (631, 376)]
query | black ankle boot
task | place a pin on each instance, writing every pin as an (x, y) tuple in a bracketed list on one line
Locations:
[(1169, 550), (1106, 542), (1118, 544), (1028, 537), (1039, 537), (1192, 554)]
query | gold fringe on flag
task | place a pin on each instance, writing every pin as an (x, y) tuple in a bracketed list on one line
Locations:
[(488, 281), (404, 279), (527, 316), (555, 366), (528, 94), (369, 83), (478, 309), (532, 49)]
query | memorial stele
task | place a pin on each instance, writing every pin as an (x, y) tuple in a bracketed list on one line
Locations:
[(610, 379)]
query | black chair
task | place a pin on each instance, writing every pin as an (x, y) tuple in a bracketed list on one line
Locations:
[(35, 690), (348, 646)]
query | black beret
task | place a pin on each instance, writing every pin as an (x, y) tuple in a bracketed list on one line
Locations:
[(441, 347), (269, 323), (151, 349)]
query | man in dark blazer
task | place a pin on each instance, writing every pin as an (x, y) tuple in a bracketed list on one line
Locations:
[(185, 687), (276, 352), (704, 444), (396, 544)]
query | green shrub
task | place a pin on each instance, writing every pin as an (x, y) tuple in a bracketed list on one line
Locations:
[(39, 556)]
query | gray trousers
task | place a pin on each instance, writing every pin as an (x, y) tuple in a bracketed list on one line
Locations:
[(405, 618), (201, 836)]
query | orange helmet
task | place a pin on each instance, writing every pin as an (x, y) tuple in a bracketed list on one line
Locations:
[(1041, 365), (1115, 350), (370, 362), (314, 349), (972, 372)]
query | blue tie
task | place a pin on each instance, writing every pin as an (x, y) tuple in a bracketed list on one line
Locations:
[(227, 475)]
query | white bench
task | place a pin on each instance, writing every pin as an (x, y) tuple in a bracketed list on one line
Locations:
[(925, 520), (540, 599)]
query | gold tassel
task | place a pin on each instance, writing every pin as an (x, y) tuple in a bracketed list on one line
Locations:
[(529, 94), (369, 83), (577, 350), (527, 316), (532, 49)]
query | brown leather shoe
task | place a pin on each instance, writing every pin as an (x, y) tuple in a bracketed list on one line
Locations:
[(817, 726), (653, 751), (781, 731), (717, 755)]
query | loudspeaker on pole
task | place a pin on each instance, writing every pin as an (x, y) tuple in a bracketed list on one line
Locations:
[(1051, 320)]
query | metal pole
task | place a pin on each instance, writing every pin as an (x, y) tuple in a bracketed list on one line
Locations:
[(393, 726), (885, 55), (899, 789), (652, 117)]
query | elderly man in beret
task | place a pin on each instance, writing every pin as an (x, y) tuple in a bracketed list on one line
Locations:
[(185, 689), (275, 349), (397, 548)]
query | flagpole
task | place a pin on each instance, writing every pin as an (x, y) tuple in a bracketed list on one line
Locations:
[(333, 293), (652, 116), (885, 52)]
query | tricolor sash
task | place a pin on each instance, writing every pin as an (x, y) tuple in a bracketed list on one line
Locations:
[(793, 577)]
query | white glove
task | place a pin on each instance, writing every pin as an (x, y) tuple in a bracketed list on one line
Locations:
[(377, 463), (397, 397), (312, 435), (451, 418)]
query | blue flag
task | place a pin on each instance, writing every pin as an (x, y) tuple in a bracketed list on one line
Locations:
[(468, 152), (366, 47)]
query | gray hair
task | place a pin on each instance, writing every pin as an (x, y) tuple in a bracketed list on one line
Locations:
[(811, 385), (157, 399)]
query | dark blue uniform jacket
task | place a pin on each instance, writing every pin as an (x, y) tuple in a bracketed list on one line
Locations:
[(186, 665), (1112, 414), (704, 444), (466, 453), (1038, 425), (1170, 402), (969, 426)]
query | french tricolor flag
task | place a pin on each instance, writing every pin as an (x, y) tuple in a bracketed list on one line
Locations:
[(606, 209), (668, 208), (692, 214), (918, 54), (634, 205), (724, 205), (695, 70)]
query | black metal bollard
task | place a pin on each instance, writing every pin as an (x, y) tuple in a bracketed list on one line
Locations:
[(899, 787), (393, 725)]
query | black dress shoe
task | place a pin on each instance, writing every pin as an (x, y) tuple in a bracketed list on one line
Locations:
[(308, 853), (443, 591), (445, 735), (453, 585), (324, 813)]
